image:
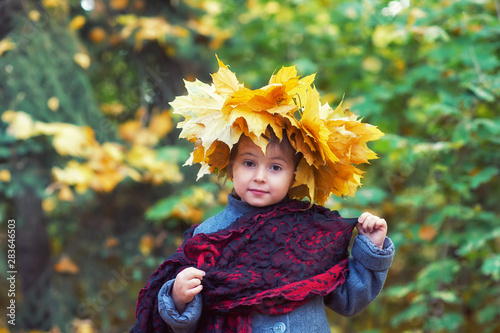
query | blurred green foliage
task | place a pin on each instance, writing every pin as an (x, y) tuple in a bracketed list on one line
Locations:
[(427, 75)]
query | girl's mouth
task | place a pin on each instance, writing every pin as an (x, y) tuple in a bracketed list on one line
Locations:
[(257, 192)]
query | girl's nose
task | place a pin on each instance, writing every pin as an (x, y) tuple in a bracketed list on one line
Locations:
[(260, 175)]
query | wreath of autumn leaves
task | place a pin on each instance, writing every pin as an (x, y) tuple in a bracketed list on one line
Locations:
[(332, 141)]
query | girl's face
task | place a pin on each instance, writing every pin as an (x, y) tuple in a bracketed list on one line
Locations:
[(262, 180)]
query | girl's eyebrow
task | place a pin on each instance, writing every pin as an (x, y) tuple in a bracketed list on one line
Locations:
[(279, 158), (248, 153)]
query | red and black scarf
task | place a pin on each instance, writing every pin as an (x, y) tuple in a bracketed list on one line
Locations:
[(271, 262)]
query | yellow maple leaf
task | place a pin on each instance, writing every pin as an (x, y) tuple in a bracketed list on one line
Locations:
[(283, 75), (315, 128), (295, 87), (225, 81), (252, 122), (218, 153), (202, 119), (304, 185)]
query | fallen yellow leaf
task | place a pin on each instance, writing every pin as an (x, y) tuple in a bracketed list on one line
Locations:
[(53, 103), (50, 3), (77, 22), (113, 108), (146, 244), (160, 123), (48, 204), (82, 326), (5, 176), (66, 265), (34, 15), (65, 194), (97, 35), (21, 126), (68, 139), (6, 45), (111, 242), (82, 59), (427, 232), (119, 4)]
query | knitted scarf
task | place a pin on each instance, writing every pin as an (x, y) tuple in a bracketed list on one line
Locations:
[(271, 262)]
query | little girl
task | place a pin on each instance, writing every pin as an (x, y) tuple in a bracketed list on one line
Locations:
[(269, 263)]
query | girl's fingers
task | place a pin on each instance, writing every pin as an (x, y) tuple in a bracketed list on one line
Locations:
[(196, 290), (193, 283), (366, 222), (192, 273), (197, 273), (192, 289), (369, 222), (380, 223), (188, 283), (363, 217)]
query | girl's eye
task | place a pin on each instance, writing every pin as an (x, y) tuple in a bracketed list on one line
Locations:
[(275, 167), (248, 164)]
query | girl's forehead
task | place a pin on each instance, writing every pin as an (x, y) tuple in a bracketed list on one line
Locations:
[(273, 150), (247, 145)]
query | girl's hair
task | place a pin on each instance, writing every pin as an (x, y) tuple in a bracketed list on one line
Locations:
[(273, 140)]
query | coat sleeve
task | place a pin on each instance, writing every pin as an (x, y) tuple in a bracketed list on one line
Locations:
[(368, 269), (179, 323)]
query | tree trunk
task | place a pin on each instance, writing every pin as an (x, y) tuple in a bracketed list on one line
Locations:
[(33, 262)]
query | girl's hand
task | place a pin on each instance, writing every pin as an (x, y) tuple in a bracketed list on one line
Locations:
[(372, 227), (186, 285)]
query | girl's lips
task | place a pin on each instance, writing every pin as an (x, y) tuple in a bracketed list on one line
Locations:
[(257, 192)]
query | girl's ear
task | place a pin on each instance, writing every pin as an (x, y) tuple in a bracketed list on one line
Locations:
[(229, 170), (293, 180), (233, 192), (232, 157)]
